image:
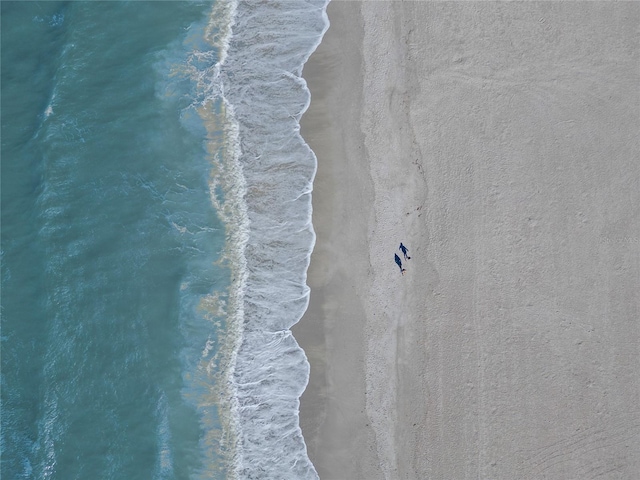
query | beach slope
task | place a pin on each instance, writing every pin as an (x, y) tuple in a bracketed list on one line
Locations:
[(499, 143)]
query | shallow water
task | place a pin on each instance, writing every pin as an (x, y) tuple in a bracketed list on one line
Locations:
[(155, 238)]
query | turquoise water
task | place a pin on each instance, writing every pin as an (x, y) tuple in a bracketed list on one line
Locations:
[(155, 238), (96, 172)]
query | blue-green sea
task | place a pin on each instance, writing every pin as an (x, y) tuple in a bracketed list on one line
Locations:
[(155, 235)]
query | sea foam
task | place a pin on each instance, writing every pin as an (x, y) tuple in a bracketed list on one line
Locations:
[(261, 185)]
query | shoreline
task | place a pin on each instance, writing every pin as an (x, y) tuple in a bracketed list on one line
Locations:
[(333, 405), (264, 97), (496, 141)]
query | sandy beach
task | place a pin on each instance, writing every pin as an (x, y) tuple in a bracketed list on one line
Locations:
[(499, 142)]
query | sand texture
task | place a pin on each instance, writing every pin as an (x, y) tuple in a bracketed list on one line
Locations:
[(500, 143)]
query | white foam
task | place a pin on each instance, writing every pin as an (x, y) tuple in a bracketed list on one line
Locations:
[(164, 462), (251, 99), (260, 80)]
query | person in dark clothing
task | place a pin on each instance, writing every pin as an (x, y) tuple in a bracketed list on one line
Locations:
[(404, 251), (399, 263)]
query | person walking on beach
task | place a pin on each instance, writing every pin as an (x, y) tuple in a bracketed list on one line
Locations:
[(399, 263), (404, 251)]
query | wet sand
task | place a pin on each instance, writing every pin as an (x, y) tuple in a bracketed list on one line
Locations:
[(499, 143)]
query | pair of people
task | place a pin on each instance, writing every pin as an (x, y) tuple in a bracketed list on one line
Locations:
[(404, 251)]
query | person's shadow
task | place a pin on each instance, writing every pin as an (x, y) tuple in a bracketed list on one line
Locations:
[(399, 263)]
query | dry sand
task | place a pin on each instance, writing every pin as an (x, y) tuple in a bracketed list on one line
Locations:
[(500, 143)]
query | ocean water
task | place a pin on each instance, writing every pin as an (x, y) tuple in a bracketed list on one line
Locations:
[(156, 231)]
